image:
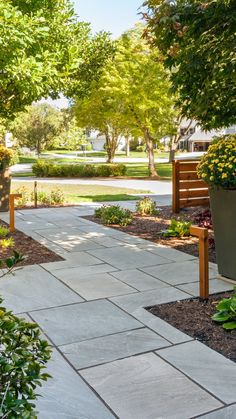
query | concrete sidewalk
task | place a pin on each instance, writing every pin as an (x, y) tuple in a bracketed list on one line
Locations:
[(112, 358)]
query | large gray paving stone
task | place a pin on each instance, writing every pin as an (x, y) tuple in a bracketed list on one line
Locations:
[(215, 285), (73, 273), (177, 273), (146, 387), (210, 369), (168, 252), (72, 260), (83, 321), (109, 348), (139, 280), (32, 288), (132, 302), (225, 413), (128, 257), (92, 287), (66, 395), (161, 327)]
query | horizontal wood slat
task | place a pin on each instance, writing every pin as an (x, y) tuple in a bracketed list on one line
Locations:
[(191, 202), (188, 189), (197, 193), (195, 184)]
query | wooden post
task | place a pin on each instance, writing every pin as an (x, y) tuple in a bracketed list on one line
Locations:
[(36, 194), (202, 234), (175, 186), (12, 198)]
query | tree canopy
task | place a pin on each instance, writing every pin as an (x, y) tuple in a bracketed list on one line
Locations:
[(44, 50), (133, 95), (198, 43)]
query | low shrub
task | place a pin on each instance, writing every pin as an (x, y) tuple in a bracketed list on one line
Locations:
[(43, 168), (4, 231), (147, 206), (226, 312), (114, 214), (178, 228), (57, 196)]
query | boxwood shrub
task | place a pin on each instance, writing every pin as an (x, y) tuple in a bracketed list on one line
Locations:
[(44, 168)]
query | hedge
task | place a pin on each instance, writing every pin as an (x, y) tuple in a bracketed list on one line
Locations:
[(44, 168)]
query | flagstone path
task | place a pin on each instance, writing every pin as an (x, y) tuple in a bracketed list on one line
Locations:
[(112, 358)]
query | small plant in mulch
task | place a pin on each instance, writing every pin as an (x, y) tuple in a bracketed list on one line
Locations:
[(54, 197), (178, 228), (147, 206), (226, 312), (114, 214), (204, 219)]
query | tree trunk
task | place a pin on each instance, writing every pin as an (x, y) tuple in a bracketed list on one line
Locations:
[(110, 148), (150, 153), (127, 147), (172, 155)]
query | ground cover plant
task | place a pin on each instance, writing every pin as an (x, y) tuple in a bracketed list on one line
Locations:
[(147, 206), (114, 214), (226, 312), (194, 317), (23, 358), (178, 228)]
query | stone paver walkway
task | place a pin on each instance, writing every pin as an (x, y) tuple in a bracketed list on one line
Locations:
[(112, 358)]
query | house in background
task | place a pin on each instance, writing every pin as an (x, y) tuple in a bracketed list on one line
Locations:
[(98, 141)]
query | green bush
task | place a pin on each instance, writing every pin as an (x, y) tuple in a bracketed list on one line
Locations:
[(44, 168), (226, 312), (147, 206), (57, 196), (178, 228), (114, 214), (141, 148), (4, 231)]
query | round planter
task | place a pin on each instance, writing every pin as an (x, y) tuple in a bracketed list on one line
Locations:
[(5, 188), (223, 208)]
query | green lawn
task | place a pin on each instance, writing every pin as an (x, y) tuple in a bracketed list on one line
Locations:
[(84, 193), (164, 170)]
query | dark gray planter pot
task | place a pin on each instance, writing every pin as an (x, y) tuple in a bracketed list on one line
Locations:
[(5, 188), (223, 208)]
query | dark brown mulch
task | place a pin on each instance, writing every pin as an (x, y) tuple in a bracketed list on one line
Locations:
[(193, 317), (34, 252), (149, 228)]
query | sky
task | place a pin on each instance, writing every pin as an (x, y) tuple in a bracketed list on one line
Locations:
[(115, 16)]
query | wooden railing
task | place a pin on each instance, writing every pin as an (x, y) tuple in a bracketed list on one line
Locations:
[(188, 189)]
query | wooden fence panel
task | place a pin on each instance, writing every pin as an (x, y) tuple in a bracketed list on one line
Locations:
[(188, 189)]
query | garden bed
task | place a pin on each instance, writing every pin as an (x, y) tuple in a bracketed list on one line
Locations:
[(34, 252), (193, 317), (150, 227)]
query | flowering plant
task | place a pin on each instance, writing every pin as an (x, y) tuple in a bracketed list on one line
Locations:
[(7, 157), (218, 165)]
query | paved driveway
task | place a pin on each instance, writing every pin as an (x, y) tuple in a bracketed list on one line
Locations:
[(112, 358)]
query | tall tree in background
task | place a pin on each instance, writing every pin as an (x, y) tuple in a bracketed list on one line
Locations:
[(133, 96), (45, 51), (197, 39), (37, 127)]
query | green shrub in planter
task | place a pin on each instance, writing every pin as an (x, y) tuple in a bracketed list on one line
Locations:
[(218, 169), (147, 206), (114, 214)]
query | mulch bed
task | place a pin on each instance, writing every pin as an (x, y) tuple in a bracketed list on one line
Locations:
[(150, 227), (34, 252), (193, 317)]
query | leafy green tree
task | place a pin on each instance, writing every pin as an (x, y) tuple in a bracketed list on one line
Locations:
[(71, 137), (197, 40), (45, 50), (132, 97), (37, 127)]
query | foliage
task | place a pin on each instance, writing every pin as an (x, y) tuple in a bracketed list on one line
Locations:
[(37, 127), (132, 98), (147, 206), (7, 157), (7, 242), (226, 312), (218, 165), (54, 197), (204, 219), (197, 40), (114, 214), (45, 50), (7, 265), (178, 228), (71, 137), (4, 231), (45, 168)]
